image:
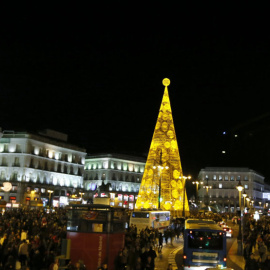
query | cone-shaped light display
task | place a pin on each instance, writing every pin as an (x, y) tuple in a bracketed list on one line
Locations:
[(163, 183)]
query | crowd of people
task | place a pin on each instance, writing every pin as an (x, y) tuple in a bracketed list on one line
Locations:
[(31, 239), (139, 251), (256, 238)]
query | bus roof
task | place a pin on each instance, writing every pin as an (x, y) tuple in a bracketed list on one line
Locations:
[(201, 224)]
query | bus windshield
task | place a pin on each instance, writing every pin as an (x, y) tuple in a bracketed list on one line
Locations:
[(205, 240), (140, 215)]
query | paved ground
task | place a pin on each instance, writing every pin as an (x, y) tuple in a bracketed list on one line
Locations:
[(168, 255)]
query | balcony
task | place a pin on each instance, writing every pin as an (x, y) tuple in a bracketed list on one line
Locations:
[(16, 164)]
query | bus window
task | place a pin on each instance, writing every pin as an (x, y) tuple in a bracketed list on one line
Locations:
[(97, 227), (205, 240)]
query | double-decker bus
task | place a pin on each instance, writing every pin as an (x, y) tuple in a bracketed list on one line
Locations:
[(156, 219), (204, 244)]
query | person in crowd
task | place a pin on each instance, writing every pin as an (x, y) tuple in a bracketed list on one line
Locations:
[(266, 263), (138, 264), (152, 253), (149, 264), (120, 261), (23, 253), (54, 265), (251, 263), (160, 242), (10, 264)]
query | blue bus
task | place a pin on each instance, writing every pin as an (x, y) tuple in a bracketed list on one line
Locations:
[(204, 245)]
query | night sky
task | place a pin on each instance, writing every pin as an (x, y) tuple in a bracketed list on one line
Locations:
[(95, 73)]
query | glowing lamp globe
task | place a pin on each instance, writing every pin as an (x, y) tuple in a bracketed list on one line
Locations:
[(7, 186)]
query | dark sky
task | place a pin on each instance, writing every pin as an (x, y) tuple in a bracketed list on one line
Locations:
[(95, 72)]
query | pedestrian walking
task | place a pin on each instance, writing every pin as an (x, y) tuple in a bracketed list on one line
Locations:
[(23, 253)]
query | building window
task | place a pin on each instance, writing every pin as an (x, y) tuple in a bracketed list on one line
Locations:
[(238, 178), (220, 178), (219, 185), (125, 166), (232, 177), (246, 186), (226, 177), (214, 177), (246, 178)]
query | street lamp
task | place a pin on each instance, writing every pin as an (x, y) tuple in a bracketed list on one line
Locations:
[(50, 193), (252, 205), (244, 195), (207, 187), (248, 200), (240, 188), (81, 193), (197, 185), (184, 199)]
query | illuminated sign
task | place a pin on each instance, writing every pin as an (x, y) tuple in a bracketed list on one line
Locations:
[(27, 199), (1, 197), (13, 198), (266, 196)]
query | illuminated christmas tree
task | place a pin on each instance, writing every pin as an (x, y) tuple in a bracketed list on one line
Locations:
[(163, 183)]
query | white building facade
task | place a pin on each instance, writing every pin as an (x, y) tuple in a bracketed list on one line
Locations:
[(36, 163), (121, 173), (222, 192)]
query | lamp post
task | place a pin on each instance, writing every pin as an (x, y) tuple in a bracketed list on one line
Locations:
[(244, 196), (184, 199), (197, 187), (81, 193), (50, 194), (252, 205), (160, 168), (207, 187), (240, 244), (248, 201)]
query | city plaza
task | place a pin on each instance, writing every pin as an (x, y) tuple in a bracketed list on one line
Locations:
[(44, 170)]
